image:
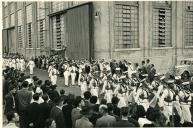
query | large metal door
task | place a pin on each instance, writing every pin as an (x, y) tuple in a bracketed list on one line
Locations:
[(5, 45), (12, 40), (80, 33)]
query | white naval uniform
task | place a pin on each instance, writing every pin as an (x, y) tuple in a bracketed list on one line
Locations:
[(73, 74), (66, 74), (186, 114), (167, 106), (83, 85), (53, 77), (108, 95), (94, 90), (143, 102), (17, 64), (80, 71), (31, 65), (13, 63), (49, 71), (22, 64)]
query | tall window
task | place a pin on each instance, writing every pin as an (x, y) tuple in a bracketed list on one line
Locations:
[(161, 24), (20, 29), (58, 6), (29, 25), (126, 25), (189, 23), (58, 31), (41, 24)]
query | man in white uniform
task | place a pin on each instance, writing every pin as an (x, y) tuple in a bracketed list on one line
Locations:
[(31, 65), (73, 74), (66, 72), (54, 73), (22, 64)]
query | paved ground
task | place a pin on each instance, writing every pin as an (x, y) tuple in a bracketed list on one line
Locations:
[(43, 75)]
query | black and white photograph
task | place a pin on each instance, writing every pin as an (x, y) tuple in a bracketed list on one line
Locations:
[(96, 64)]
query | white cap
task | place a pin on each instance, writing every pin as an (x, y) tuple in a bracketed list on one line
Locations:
[(117, 69)]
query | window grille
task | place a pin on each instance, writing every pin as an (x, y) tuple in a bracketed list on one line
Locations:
[(126, 26), (189, 23), (29, 35), (20, 36), (29, 25), (161, 26)]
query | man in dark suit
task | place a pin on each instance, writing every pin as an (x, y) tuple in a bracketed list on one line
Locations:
[(67, 109), (23, 98), (124, 119), (56, 113), (44, 109), (10, 100), (32, 112)]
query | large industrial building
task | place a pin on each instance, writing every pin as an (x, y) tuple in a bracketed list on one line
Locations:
[(132, 30)]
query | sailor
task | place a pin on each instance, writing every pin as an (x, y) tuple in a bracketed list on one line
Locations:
[(72, 70), (142, 94), (31, 65), (108, 93), (66, 72), (130, 69), (17, 64), (13, 63), (83, 84), (94, 89), (54, 73), (50, 69), (80, 70), (185, 103), (22, 64), (167, 98)]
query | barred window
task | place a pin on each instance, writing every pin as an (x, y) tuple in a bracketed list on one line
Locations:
[(126, 25), (58, 31), (41, 24), (20, 29), (20, 36), (41, 33), (189, 24), (29, 25), (12, 17), (161, 25)]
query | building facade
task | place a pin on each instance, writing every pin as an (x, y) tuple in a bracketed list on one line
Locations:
[(132, 30)]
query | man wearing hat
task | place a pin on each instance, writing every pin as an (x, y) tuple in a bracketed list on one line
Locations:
[(84, 122)]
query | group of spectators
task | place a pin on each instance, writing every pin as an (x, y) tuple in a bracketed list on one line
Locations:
[(40, 105)]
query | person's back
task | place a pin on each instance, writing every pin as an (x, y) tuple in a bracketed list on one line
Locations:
[(56, 113), (123, 123), (83, 123), (67, 115), (44, 111), (33, 111), (24, 97), (105, 121)]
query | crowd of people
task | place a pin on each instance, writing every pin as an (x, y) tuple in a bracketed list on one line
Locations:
[(113, 94)]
